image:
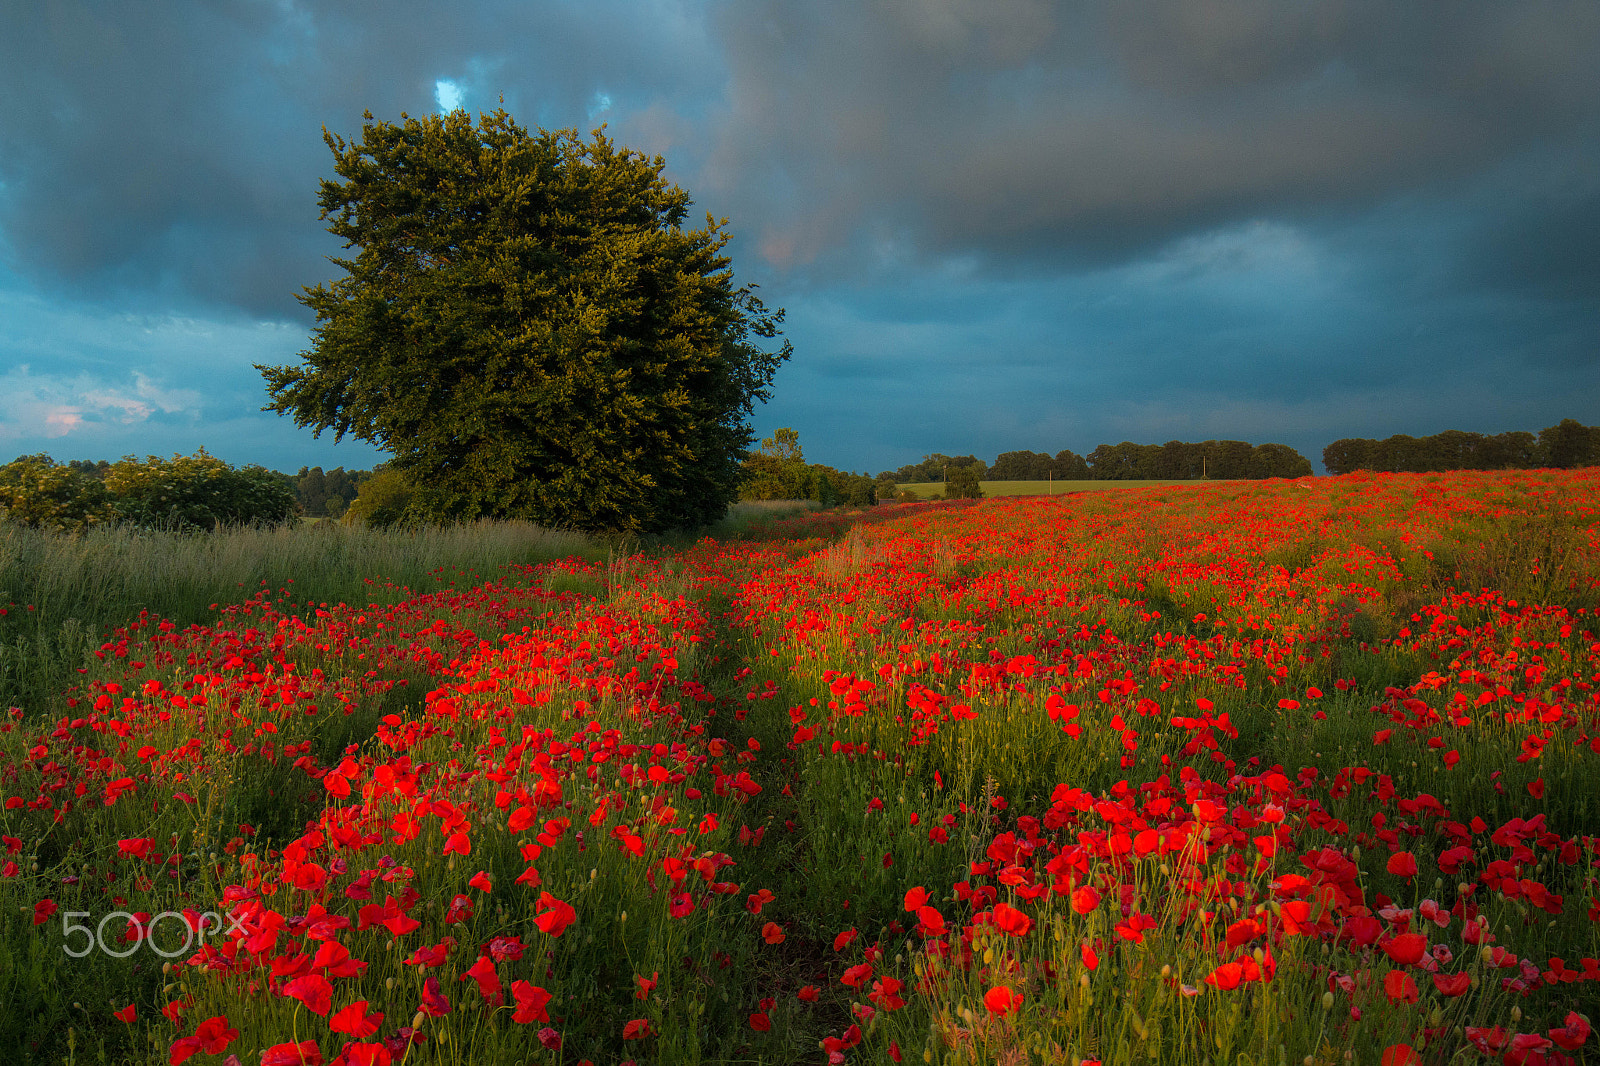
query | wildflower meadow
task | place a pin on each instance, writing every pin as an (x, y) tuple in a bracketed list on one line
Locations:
[(1270, 772)]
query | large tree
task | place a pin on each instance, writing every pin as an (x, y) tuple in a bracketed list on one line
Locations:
[(530, 329)]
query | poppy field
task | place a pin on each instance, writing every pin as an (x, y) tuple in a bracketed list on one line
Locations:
[(1255, 772)]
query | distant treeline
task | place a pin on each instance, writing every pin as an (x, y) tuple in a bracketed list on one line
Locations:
[(328, 495), (318, 494), (196, 491), (1565, 445), (778, 471), (1174, 460)]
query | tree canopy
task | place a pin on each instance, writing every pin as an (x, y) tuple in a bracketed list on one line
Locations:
[(529, 329), (1567, 444), (778, 471)]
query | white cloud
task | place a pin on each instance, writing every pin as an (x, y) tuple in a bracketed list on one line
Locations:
[(448, 94), (52, 406)]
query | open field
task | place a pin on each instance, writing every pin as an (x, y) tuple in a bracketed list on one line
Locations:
[(1263, 772), (60, 596), (930, 489)]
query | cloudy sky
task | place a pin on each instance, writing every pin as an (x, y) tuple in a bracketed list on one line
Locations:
[(995, 224)]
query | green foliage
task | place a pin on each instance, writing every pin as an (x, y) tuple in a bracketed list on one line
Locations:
[(778, 471), (963, 484), (784, 446), (1566, 445), (197, 491), (1123, 462), (1182, 460), (1570, 444), (326, 495), (1280, 460), (937, 467), (1022, 466), (530, 330), (1070, 466), (36, 491), (184, 492), (384, 501)]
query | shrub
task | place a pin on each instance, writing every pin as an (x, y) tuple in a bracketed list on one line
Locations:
[(963, 484), (197, 491), (382, 501), (37, 491)]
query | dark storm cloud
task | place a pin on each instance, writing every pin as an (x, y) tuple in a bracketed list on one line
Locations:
[(1019, 128), (175, 148), (995, 223)]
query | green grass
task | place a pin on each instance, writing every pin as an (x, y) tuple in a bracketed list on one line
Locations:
[(60, 595), (930, 489)]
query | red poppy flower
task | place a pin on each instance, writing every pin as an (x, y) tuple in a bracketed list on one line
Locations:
[(808, 994), (760, 1022), (488, 978), (1571, 1036), (1001, 1001), (136, 847), (1009, 919), (460, 909), (855, 976), (772, 933), (637, 1029), (554, 915), (1085, 899), (1452, 985), (1133, 929), (1400, 1055), (1526, 1049), (1399, 987), (1407, 949), (215, 1035), (886, 993), (126, 1015), (531, 1000), (434, 1003), (1403, 864), (1242, 932), (313, 990), (1090, 959), (182, 1050), (305, 1053), (355, 1021), (844, 939), (502, 948), (916, 897), (932, 921), (1225, 977), (43, 910), (1296, 918)]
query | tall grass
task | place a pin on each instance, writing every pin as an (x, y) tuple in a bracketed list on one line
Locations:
[(63, 594), (754, 519)]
